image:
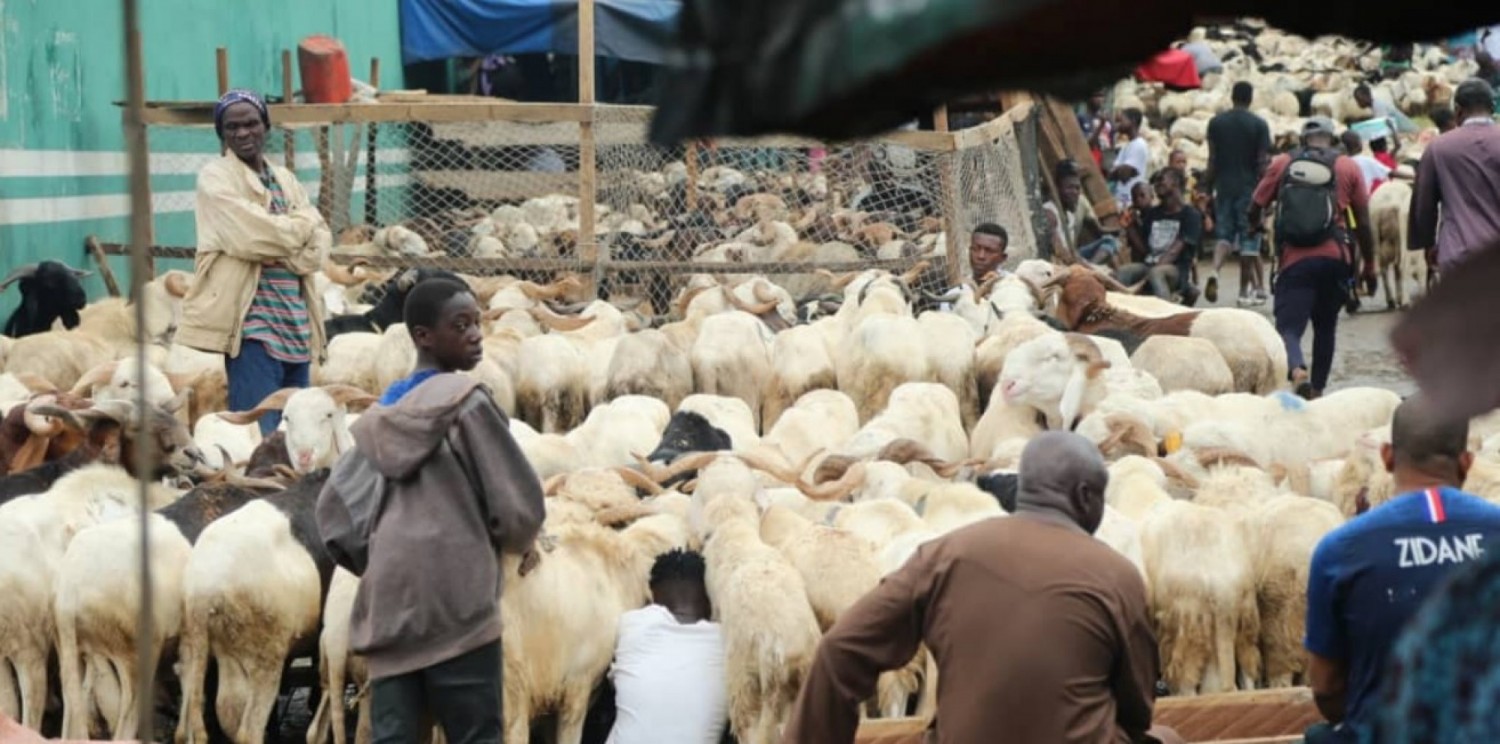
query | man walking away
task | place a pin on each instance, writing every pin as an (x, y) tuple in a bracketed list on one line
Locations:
[(1369, 577), (1239, 142), (1461, 171), (1314, 187), (1168, 238), (459, 495), (1065, 613), (1132, 162)]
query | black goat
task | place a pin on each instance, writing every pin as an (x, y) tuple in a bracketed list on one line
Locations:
[(49, 290), (388, 307)]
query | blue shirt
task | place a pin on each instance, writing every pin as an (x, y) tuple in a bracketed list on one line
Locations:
[(1369, 577), (401, 387)]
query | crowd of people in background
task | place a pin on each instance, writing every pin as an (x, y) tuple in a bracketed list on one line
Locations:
[(1240, 205)]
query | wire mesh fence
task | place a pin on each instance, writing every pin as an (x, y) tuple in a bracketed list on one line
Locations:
[(482, 197)]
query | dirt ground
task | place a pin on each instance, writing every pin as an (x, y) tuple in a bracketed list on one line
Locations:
[(1362, 354)]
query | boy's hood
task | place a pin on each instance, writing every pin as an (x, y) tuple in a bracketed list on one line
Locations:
[(398, 438)]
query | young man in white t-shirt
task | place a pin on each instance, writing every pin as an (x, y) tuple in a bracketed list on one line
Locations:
[(668, 670), (1132, 163)]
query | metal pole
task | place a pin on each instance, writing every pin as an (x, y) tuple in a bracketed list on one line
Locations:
[(140, 273)]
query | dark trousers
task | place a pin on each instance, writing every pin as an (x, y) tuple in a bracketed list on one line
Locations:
[(462, 695), (1312, 289), (254, 374)]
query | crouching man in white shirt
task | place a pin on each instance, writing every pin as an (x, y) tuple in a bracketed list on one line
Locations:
[(668, 670)]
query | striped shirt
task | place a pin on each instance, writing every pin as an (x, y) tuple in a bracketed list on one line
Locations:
[(278, 312)]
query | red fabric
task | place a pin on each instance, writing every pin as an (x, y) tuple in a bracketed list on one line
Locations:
[(1386, 159), (1173, 67)]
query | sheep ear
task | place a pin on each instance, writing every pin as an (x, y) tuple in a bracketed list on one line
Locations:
[(1072, 397), (273, 402)]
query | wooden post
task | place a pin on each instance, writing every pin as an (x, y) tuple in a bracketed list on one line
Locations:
[(371, 203), (106, 273), (691, 161), (588, 245), (141, 272), (221, 61), (949, 185), (289, 141)]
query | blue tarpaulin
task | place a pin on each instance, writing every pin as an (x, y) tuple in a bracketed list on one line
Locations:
[(634, 30)]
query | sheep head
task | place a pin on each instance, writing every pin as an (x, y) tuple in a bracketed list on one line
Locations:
[(114, 430), (1078, 292), (1051, 373), (316, 432)]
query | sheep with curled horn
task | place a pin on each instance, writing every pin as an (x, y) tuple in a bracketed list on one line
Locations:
[(765, 308), (666, 475), (559, 323), (907, 451)]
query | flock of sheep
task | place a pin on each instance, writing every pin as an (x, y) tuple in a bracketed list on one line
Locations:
[(808, 435), (1295, 78)]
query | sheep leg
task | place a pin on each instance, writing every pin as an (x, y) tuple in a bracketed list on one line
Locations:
[(193, 655), (1247, 644), (333, 691), (516, 709), (124, 722), (77, 704), (103, 690), (262, 681), (10, 695), (363, 732), (570, 715), (317, 730), (31, 670)]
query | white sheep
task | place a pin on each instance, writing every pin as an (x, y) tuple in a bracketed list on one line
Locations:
[(731, 357), (1202, 582), (249, 621), (34, 535), (770, 631), (1184, 363)]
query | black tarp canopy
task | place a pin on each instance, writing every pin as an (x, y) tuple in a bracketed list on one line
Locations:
[(839, 69)]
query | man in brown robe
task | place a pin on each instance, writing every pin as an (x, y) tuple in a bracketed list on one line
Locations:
[(1041, 633)]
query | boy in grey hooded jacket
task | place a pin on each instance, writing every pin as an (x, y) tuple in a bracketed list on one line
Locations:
[(460, 494)]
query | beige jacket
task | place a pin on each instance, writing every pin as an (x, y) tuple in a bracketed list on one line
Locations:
[(236, 234), (460, 493)]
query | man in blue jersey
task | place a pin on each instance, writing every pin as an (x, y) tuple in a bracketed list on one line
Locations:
[(1369, 576)]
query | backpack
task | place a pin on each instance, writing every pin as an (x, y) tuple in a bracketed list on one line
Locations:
[(1307, 200), (351, 501), (347, 509)]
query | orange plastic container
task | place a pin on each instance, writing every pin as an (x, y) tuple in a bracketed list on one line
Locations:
[(324, 66)]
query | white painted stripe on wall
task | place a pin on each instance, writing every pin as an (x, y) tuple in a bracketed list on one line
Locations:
[(40, 210), (85, 163)]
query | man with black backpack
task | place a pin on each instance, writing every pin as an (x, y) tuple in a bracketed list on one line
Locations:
[(1314, 187)]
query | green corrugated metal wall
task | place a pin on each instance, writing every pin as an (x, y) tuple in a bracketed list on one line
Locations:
[(62, 159)]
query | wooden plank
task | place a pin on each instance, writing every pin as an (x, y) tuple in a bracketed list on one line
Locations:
[(194, 113), (1077, 148), (1283, 695), (289, 139), (221, 63), (101, 258)]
